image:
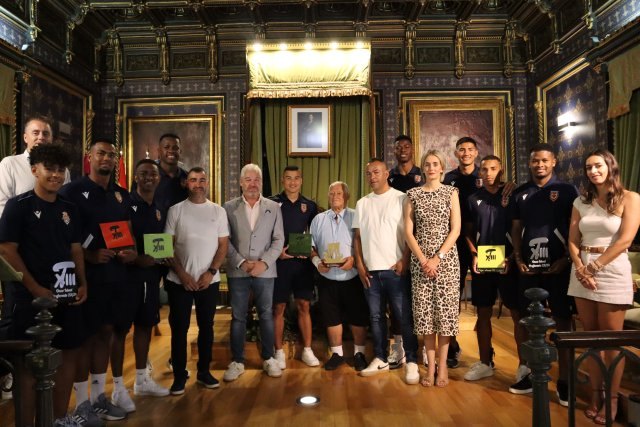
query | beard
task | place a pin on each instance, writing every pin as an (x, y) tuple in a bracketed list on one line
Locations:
[(104, 172)]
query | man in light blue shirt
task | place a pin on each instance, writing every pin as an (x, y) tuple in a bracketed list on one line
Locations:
[(339, 289)]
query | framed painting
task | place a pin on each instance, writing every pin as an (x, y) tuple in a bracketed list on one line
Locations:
[(439, 123), (309, 130), (196, 141)]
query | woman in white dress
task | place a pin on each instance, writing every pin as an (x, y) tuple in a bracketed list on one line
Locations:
[(604, 222)]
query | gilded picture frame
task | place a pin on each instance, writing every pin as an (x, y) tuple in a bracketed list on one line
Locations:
[(438, 119), (145, 132), (309, 131)]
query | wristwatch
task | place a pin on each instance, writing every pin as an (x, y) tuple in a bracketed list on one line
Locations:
[(440, 255), (213, 271)]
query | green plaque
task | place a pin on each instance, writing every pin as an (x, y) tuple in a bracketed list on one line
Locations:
[(158, 246), (299, 244)]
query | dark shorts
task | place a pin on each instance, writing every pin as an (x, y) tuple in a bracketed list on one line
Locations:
[(342, 302), (69, 317), (138, 303), (561, 304), (294, 276), (485, 288), (101, 305)]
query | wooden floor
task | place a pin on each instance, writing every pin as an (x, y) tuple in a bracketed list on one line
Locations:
[(345, 398)]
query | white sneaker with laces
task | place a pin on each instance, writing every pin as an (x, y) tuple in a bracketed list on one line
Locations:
[(396, 357), (375, 367), (309, 358), (120, 397), (477, 371), (272, 368), (411, 373), (522, 372), (281, 359), (150, 388), (234, 370)]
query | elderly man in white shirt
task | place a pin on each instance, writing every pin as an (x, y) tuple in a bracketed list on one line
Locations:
[(15, 171)]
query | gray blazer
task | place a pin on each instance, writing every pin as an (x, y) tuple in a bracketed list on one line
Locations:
[(264, 243)]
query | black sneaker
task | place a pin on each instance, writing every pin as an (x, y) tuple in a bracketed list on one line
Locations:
[(359, 362), (177, 388), (207, 380), (334, 362), (523, 386), (562, 391), (453, 356)]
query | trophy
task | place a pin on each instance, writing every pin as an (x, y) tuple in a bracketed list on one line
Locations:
[(332, 256)]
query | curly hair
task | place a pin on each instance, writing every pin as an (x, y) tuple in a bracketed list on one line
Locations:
[(615, 189), (50, 155)]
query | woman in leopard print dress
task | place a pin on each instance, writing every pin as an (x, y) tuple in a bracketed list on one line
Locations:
[(432, 225)]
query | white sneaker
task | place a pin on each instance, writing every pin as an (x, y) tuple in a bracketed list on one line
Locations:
[(477, 371), (396, 357), (411, 373), (522, 372), (309, 358), (150, 388), (234, 370), (272, 368), (281, 359), (375, 367), (120, 398), (6, 383)]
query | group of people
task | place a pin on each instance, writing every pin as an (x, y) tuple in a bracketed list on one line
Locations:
[(404, 252)]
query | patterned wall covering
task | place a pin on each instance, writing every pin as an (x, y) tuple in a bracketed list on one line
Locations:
[(231, 89), (583, 95), (390, 86), (12, 33), (65, 110)]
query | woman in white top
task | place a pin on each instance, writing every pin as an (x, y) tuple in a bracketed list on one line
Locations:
[(604, 222)]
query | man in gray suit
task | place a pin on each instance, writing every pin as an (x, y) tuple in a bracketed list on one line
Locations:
[(256, 241)]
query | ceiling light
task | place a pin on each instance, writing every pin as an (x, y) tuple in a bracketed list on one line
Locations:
[(334, 45), (283, 46), (359, 45), (308, 46), (257, 47)]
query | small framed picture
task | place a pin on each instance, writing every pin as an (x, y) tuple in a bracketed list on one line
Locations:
[(309, 131)]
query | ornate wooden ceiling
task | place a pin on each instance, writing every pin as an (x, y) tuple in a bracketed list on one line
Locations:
[(117, 39)]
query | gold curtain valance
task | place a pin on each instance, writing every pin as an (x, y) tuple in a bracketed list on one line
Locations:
[(624, 78), (309, 69), (7, 113)]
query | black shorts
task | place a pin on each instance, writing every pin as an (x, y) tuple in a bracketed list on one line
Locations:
[(294, 275), (69, 317), (101, 305), (485, 288), (342, 302), (138, 303), (561, 304)]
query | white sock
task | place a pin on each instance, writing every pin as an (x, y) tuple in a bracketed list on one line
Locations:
[(141, 374), (82, 392), (118, 383), (397, 339), (307, 349), (280, 351), (358, 349), (337, 350), (97, 385)]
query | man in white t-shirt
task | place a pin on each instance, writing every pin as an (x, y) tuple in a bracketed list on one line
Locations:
[(201, 234), (382, 259)]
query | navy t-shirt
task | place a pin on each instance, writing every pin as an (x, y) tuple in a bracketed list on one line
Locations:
[(466, 185), (96, 206), (491, 215), (406, 182), (545, 213), (296, 216), (145, 219), (44, 232)]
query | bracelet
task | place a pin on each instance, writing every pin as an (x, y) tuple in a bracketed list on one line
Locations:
[(598, 264), (593, 268), (316, 261)]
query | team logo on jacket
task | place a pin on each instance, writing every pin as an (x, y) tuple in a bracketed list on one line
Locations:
[(37, 214), (65, 217), (135, 208), (118, 196), (85, 194), (303, 207), (158, 215), (478, 182), (417, 178), (553, 195)]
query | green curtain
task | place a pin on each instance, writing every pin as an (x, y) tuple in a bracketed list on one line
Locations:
[(626, 139), (351, 147)]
